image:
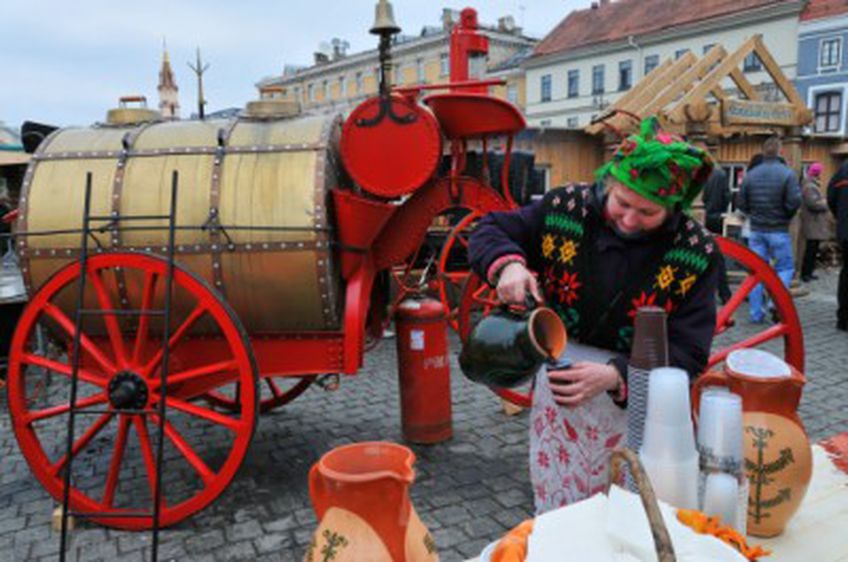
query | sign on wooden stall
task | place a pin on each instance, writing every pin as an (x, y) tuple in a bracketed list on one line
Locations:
[(738, 112)]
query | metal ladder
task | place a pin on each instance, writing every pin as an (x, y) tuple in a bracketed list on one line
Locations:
[(113, 221)]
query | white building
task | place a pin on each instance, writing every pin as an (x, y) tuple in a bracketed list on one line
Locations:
[(596, 54)]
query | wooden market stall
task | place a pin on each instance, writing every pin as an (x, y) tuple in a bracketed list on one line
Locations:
[(711, 102)]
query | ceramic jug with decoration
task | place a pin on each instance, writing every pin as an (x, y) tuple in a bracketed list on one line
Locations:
[(360, 493), (508, 346), (778, 458)]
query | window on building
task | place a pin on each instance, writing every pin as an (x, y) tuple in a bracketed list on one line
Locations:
[(444, 64), (625, 75), (828, 111), (572, 122), (310, 92), (342, 86), (679, 53), (325, 90), (752, 63), (546, 88), (598, 79), (651, 62), (707, 47), (830, 53), (512, 93), (573, 83), (297, 93), (359, 83), (419, 70)]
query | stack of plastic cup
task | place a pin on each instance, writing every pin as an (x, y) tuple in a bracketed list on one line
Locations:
[(668, 450), (723, 482), (650, 351), (720, 431)]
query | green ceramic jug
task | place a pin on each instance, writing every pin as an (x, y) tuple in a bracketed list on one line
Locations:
[(507, 347)]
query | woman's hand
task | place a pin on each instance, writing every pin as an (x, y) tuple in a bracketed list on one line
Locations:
[(583, 381), (515, 282)]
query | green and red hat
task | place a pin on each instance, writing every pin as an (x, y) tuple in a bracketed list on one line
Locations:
[(659, 166)]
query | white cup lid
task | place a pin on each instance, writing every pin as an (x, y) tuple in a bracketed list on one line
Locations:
[(758, 364)]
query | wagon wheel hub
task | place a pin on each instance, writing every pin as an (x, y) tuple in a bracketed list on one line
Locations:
[(128, 391)]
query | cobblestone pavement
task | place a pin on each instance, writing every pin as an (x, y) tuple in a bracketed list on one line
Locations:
[(468, 491)]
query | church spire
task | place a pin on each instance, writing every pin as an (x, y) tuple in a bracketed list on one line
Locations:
[(169, 105)]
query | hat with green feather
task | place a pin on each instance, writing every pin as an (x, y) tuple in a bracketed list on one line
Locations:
[(659, 166)]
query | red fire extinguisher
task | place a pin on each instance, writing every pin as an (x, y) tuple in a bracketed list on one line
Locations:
[(424, 370)]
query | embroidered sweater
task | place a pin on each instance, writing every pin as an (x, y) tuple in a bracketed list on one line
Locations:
[(584, 265)]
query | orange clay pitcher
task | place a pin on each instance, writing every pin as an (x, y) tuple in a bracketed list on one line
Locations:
[(778, 458), (360, 493)]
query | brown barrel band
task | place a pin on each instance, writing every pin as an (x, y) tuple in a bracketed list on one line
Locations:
[(321, 246), (323, 184), (181, 151), (214, 206), (128, 141), (21, 244)]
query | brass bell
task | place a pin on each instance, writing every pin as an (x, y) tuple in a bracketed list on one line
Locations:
[(384, 19)]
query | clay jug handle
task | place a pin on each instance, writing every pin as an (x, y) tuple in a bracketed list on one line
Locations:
[(710, 378), (318, 492)]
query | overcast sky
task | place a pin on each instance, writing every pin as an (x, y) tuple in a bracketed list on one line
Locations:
[(66, 62)]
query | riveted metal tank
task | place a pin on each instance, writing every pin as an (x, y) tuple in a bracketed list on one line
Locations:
[(263, 178)]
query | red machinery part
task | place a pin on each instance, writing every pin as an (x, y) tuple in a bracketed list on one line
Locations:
[(424, 370), (119, 350), (391, 158)]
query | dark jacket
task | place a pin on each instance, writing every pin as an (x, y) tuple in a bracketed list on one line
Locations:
[(814, 215), (690, 325), (770, 196), (837, 201), (716, 199)]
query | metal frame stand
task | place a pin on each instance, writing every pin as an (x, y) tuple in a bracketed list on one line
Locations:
[(80, 313)]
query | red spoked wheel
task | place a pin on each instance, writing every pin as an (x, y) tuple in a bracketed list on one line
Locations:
[(787, 326), (452, 281), (479, 299), (119, 391), (274, 392)]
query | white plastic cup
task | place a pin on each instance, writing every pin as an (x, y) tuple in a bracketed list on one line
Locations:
[(675, 483), (668, 396), (668, 443), (721, 497), (720, 431)]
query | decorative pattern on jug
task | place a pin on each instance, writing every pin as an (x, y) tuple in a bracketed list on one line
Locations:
[(778, 463)]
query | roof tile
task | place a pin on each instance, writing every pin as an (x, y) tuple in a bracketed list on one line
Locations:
[(612, 21)]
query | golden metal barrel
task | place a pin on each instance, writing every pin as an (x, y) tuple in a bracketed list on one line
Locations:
[(253, 192)]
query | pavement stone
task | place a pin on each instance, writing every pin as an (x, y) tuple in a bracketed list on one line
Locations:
[(468, 491)]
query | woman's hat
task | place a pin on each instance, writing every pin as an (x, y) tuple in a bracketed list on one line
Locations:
[(815, 169), (659, 166)]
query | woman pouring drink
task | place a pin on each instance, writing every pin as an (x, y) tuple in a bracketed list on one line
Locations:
[(601, 252)]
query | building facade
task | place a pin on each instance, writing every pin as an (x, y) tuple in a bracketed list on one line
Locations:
[(822, 67), (338, 81), (595, 55)]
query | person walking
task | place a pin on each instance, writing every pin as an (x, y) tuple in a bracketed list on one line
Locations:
[(837, 201), (716, 203), (814, 223), (770, 197)]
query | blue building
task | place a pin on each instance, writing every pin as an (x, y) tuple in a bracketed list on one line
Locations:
[(822, 78)]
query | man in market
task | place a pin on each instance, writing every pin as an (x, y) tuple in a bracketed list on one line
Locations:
[(602, 252), (837, 201), (716, 203), (770, 196)]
